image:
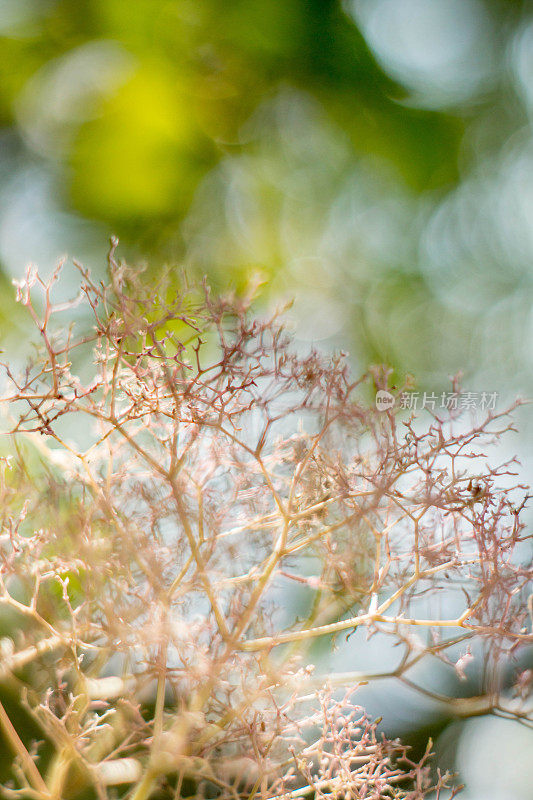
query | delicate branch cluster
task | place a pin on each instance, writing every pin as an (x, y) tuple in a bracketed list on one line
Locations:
[(159, 500)]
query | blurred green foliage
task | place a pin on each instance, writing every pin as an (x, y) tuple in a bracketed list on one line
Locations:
[(363, 156), (227, 136), (195, 73)]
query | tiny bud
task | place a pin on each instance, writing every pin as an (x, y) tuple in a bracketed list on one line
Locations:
[(107, 688), (7, 647), (119, 770), (461, 663)]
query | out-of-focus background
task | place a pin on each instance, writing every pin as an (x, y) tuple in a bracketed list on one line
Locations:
[(372, 158)]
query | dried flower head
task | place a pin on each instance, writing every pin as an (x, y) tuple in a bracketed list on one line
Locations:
[(173, 471)]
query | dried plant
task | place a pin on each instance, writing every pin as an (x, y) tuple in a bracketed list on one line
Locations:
[(156, 501)]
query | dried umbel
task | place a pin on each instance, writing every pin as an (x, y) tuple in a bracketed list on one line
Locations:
[(172, 472)]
